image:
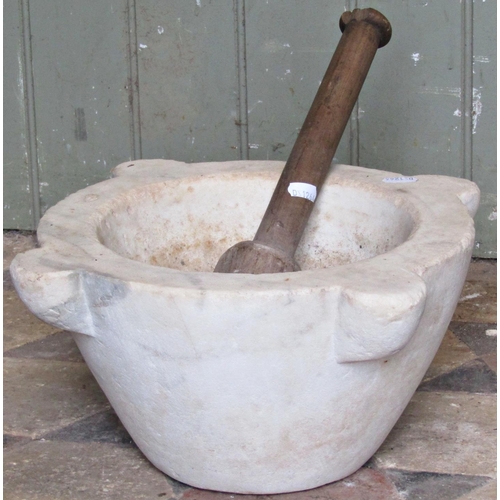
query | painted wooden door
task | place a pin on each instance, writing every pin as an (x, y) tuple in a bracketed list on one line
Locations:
[(88, 85)]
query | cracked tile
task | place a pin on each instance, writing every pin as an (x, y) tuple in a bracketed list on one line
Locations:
[(443, 432), (103, 427), (8, 285), (9, 441), (59, 346), (432, 486), (483, 270), (43, 470), (473, 376), (452, 353), (477, 303), (19, 325), (479, 337), (491, 360), (42, 396), (486, 492)]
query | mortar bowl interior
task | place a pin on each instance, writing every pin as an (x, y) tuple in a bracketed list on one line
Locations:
[(187, 224)]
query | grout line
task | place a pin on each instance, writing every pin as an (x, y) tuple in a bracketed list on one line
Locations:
[(466, 84), (133, 83), (241, 64), (30, 113), (354, 119)]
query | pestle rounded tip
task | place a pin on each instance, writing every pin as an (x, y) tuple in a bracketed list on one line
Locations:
[(251, 257)]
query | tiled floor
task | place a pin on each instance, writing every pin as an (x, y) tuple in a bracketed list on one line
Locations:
[(63, 441)]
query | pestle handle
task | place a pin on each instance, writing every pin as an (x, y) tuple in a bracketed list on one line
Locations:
[(274, 245)]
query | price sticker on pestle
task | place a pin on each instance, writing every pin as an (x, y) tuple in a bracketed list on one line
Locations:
[(302, 190)]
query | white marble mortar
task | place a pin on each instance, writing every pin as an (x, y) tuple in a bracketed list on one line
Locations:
[(253, 383)]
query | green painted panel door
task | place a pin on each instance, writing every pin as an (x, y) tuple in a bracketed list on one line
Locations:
[(188, 80), (484, 126), (289, 47), (409, 115), (89, 85), (18, 196), (81, 94)]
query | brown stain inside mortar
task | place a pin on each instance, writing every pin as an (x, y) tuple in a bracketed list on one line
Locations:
[(187, 224)]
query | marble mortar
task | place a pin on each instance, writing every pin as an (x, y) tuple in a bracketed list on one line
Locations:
[(253, 383)]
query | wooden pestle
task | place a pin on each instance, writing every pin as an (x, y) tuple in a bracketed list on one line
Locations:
[(273, 248)]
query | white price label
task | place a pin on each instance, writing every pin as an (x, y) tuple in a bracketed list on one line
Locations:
[(302, 190), (396, 180)]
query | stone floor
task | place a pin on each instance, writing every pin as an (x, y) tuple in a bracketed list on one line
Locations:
[(63, 440)]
